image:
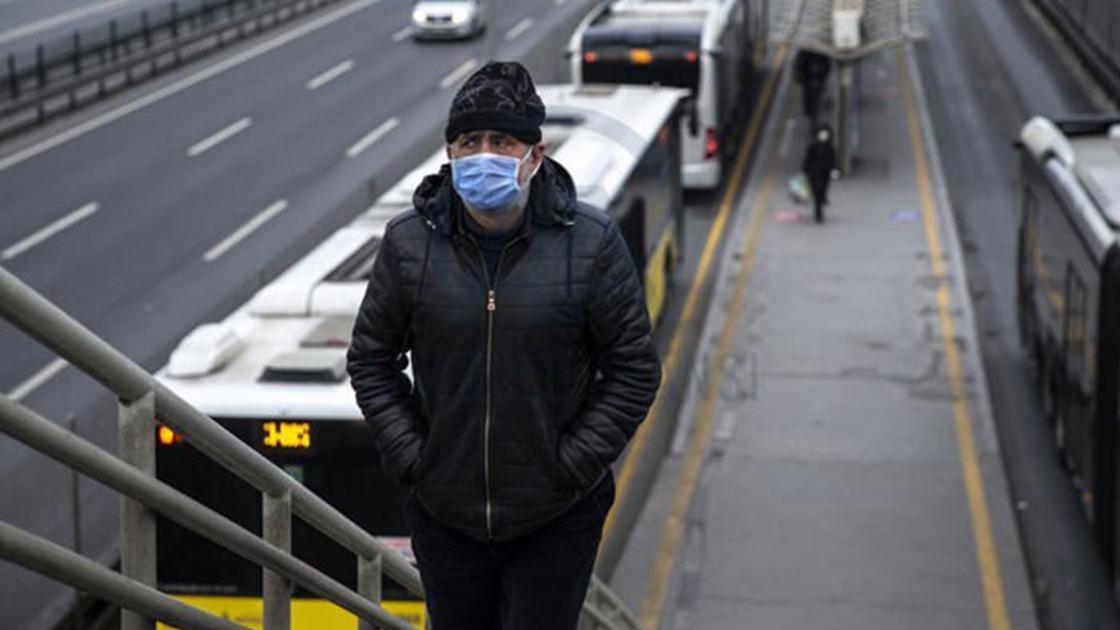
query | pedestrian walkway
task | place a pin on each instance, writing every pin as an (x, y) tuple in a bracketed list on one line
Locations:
[(838, 467)]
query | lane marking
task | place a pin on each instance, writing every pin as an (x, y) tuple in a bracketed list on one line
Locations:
[(187, 82), (987, 559), (215, 139), (330, 75), (703, 268), (373, 136), (559, 2), (24, 389), (49, 231), (57, 20), (657, 586), (518, 29), (402, 34), (244, 231), (458, 74)]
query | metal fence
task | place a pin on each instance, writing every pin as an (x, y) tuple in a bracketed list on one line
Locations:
[(1092, 28), (59, 76), (143, 401)]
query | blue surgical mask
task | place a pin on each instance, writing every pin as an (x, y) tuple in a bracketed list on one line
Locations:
[(487, 182)]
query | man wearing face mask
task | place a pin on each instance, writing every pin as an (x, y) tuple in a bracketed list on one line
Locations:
[(532, 367)]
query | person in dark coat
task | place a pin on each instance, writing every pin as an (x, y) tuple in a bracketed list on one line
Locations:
[(532, 362), (818, 166), (811, 71)]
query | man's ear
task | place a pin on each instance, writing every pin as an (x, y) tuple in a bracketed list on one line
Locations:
[(447, 150)]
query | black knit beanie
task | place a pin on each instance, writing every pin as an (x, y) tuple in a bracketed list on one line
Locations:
[(498, 96)]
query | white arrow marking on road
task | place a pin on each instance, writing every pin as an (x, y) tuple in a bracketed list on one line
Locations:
[(520, 28), (37, 379), (49, 231), (330, 75), (458, 74), (242, 232), (372, 137), (179, 86), (203, 146), (402, 34)]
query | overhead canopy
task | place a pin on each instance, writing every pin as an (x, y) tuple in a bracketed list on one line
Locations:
[(808, 24)]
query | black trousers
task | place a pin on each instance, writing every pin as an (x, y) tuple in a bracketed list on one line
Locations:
[(537, 582)]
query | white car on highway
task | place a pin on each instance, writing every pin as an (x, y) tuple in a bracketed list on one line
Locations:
[(447, 19)]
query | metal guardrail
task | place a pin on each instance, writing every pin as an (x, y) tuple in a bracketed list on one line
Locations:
[(143, 400), (64, 75)]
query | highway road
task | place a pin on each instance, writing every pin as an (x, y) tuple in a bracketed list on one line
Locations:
[(169, 206), (987, 68)]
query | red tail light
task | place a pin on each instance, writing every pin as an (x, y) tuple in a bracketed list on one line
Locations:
[(590, 57), (691, 56), (711, 144)]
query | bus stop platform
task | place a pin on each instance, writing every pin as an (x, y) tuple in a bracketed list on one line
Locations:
[(836, 465)]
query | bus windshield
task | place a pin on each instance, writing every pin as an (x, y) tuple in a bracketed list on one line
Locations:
[(642, 55)]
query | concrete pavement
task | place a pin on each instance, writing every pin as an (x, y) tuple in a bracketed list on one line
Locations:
[(837, 466)]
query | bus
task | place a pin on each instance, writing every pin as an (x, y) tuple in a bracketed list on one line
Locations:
[(1068, 294), (703, 46), (273, 372)]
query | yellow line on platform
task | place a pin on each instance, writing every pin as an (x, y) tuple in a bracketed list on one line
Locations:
[(657, 587), (668, 366), (986, 555)]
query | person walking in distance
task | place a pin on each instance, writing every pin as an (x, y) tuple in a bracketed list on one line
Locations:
[(819, 165), (532, 364), (811, 71)]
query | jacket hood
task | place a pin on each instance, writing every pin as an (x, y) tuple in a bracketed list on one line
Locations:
[(552, 197)]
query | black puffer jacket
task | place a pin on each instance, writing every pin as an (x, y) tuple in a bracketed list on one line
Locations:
[(527, 386)]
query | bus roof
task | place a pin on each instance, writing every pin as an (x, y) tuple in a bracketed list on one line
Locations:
[(282, 354)]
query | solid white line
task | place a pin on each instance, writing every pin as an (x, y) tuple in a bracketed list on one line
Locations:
[(520, 28), (458, 74), (216, 251), (214, 140), (402, 34), (56, 20), (49, 231), (37, 379), (330, 75), (185, 83), (372, 137)]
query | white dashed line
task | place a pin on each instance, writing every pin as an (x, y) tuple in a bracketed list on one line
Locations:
[(458, 74), (219, 137), (330, 75), (520, 28), (559, 2), (49, 231), (179, 86), (256, 222), (371, 137), (402, 34), (37, 379)]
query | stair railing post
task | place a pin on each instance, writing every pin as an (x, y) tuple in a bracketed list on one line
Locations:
[(137, 433), (369, 584), (277, 589)]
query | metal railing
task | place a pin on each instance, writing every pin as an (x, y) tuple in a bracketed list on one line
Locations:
[(60, 76), (142, 401)]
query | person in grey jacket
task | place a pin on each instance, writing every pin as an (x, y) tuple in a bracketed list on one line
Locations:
[(532, 364)]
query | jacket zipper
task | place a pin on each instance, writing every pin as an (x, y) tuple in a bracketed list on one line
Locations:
[(491, 307)]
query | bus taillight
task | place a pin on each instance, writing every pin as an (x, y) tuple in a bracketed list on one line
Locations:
[(711, 144), (590, 57), (691, 56)]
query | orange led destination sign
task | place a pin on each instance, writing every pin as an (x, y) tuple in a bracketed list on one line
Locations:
[(289, 435)]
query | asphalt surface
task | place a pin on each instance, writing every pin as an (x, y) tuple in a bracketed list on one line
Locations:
[(987, 68), (141, 269)]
